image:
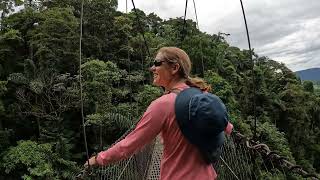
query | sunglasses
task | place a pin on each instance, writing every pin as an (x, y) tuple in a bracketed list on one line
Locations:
[(157, 63)]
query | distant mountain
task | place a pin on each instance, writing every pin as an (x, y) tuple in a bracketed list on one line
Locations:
[(312, 74)]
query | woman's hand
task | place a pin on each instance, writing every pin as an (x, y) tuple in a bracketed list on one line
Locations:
[(92, 162)]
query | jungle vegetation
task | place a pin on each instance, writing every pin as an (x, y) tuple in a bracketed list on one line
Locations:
[(41, 133)]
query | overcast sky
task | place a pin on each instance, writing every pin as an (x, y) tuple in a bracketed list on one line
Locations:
[(284, 30)]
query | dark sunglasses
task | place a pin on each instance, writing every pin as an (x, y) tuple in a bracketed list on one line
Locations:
[(157, 63)]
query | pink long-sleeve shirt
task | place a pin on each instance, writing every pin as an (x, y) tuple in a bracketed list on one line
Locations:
[(180, 161)]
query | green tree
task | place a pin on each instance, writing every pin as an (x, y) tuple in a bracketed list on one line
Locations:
[(11, 52), (308, 86), (30, 160), (55, 41)]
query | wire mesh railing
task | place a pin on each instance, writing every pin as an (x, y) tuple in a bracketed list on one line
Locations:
[(241, 159)]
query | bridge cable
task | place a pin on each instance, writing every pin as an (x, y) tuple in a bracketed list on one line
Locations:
[(183, 32), (201, 49), (80, 82), (229, 168), (129, 59), (252, 69), (141, 29)]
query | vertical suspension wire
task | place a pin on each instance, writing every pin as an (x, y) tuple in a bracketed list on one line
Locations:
[(141, 29), (100, 146), (195, 12), (142, 61), (126, 6), (100, 173), (201, 49), (183, 33), (128, 57), (252, 69), (143, 36), (80, 82)]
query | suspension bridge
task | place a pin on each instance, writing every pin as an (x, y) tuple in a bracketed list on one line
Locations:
[(242, 158)]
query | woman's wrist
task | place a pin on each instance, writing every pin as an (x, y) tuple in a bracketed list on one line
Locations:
[(96, 159)]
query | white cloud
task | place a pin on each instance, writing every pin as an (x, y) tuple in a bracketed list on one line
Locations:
[(300, 49), (284, 30)]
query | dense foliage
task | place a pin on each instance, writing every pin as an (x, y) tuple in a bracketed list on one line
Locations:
[(40, 109)]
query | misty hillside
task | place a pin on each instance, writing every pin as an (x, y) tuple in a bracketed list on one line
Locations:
[(312, 74)]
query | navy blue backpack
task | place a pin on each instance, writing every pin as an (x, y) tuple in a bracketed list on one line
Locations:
[(202, 118)]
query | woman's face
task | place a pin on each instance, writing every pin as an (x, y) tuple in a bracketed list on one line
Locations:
[(162, 71)]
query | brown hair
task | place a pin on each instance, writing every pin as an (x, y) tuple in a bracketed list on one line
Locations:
[(177, 55)]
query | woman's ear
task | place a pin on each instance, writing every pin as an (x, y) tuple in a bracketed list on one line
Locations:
[(175, 68)]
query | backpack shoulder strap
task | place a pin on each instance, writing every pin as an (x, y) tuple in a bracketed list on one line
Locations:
[(176, 91)]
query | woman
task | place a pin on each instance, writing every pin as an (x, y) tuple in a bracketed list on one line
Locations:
[(181, 160)]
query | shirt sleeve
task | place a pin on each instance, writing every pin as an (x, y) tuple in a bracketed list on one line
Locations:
[(229, 128), (146, 130)]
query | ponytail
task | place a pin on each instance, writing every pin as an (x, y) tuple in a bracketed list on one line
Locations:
[(198, 83)]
